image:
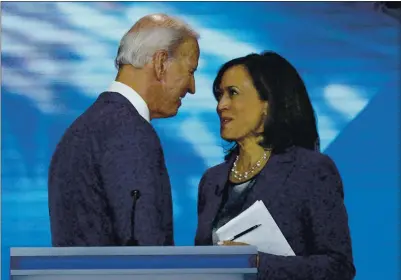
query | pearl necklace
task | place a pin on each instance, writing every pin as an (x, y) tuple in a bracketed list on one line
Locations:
[(247, 174)]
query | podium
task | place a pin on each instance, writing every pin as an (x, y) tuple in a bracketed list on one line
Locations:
[(133, 263)]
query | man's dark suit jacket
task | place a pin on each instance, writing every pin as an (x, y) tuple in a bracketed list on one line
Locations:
[(303, 191), (106, 153)]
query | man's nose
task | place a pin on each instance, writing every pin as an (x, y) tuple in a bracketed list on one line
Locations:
[(192, 88)]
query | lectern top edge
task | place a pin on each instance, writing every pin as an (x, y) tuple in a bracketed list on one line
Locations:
[(143, 250)]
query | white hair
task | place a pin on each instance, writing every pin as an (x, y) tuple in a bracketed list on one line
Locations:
[(138, 48)]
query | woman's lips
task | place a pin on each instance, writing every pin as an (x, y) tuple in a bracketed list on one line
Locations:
[(224, 121)]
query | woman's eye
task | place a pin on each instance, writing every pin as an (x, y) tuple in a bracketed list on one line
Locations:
[(233, 92)]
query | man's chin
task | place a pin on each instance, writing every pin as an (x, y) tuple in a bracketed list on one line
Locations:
[(165, 115), (173, 114), (170, 114)]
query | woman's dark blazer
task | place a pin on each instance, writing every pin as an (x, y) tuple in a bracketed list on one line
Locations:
[(303, 191)]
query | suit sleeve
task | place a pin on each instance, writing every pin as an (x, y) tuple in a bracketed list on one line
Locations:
[(332, 257), (131, 161)]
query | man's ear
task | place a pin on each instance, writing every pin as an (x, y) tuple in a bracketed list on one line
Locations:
[(160, 63)]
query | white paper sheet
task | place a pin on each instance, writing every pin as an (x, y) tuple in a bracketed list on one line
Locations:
[(268, 238)]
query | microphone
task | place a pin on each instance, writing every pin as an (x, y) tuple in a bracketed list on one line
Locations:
[(135, 194)]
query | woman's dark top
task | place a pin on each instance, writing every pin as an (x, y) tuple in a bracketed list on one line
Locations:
[(233, 200)]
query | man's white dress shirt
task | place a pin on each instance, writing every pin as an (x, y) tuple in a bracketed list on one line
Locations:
[(133, 97)]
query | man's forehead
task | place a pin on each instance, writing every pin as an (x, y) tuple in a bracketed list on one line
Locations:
[(188, 53), (188, 47)]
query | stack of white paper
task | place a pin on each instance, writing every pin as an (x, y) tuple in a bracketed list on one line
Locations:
[(268, 237)]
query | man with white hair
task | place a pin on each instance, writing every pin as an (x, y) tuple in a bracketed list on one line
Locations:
[(108, 183)]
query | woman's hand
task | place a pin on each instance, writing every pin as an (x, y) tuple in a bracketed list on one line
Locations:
[(233, 243)]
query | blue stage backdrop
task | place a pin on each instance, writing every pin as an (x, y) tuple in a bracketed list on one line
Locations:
[(58, 57)]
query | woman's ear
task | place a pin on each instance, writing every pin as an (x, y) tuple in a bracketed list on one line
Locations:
[(263, 119)]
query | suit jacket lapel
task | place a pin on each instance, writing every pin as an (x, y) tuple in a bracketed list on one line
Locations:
[(219, 180), (272, 178), (269, 181), (223, 174)]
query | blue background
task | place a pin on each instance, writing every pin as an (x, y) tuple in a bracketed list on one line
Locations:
[(57, 58)]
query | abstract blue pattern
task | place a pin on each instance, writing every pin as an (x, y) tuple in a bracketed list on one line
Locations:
[(57, 57)]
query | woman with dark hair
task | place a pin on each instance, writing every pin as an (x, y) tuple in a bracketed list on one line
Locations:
[(265, 111)]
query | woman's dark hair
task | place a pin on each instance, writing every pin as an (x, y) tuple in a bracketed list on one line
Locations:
[(291, 119)]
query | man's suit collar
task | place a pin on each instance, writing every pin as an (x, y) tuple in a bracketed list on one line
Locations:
[(133, 98)]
